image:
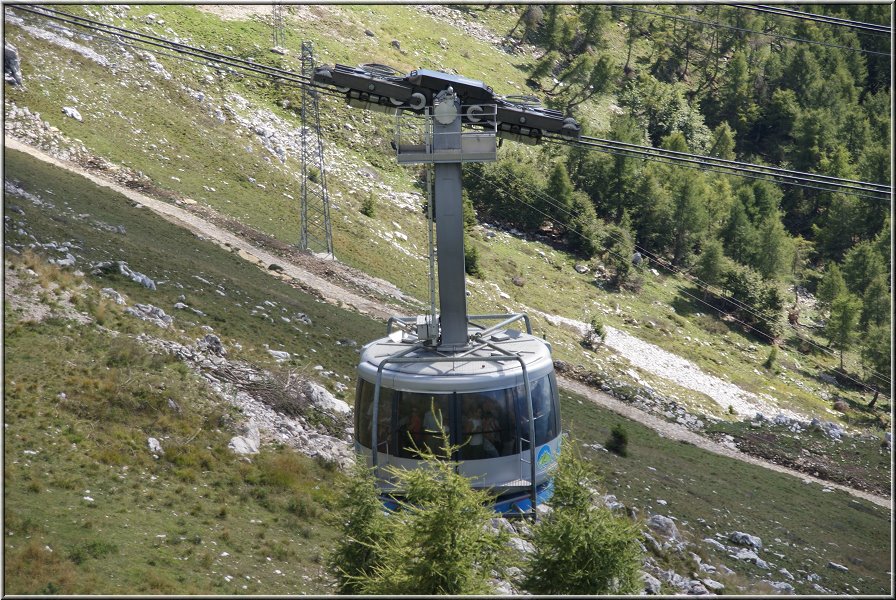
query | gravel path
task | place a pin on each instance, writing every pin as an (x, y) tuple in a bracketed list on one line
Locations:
[(676, 369), (643, 354), (678, 432), (184, 218)]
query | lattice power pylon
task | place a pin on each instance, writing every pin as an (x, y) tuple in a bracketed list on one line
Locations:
[(277, 31), (316, 233)]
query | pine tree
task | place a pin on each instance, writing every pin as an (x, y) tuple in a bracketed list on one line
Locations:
[(875, 303), (723, 142), (861, 265), (584, 234), (559, 189), (710, 265), (582, 548), (877, 357), (832, 286), (838, 232), (439, 540), (841, 328), (739, 234), (775, 248), (362, 525)]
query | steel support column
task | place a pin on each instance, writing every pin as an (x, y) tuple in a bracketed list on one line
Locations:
[(450, 224)]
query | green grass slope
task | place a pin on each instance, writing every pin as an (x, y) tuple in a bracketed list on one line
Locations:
[(155, 126), (89, 510)]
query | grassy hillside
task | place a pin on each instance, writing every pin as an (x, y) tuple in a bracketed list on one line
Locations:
[(159, 129), (198, 519), (81, 400)]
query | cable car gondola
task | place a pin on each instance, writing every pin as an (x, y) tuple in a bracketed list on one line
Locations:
[(491, 400)]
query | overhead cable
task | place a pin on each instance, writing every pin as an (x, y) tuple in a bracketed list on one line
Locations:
[(736, 302), (807, 16), (275, 73), (825, 183), (744, 30)]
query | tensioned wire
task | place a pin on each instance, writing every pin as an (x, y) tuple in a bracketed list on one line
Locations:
[(742, 169), (737, 302), (291, 79), (729, 167), (807, 16), (324, 89), (715, 289), (744, 30)]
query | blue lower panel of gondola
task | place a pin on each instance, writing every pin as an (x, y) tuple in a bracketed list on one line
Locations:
[(510, 504)]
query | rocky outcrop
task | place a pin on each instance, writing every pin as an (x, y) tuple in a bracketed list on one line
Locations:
[(12, 69)]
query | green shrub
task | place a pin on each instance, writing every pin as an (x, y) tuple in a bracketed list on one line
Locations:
[(581, 548), (597, 328), (618, 442), (471, 259), (438, 542), (772, 358), (368, 206), (361, 523)]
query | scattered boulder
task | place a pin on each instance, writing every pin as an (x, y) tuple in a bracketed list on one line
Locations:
[(781, 587), (212, 343), (651, 584), (521, 546), (247, 443), (369, 33), (841, 406), (749, 556), (113, 295), (72, 112), (696, 588), (712, 585), (153, 314), (242, 445), (397, 45), (715, 544), (68, 261), (663, 525), (12, 69), (324, 400), (279, 354), (745, 539), (155, 446), (838, 567), (582, 269), (120, 266)]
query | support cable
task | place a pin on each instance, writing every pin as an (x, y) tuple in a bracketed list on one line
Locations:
[(807, 16), (686, 276), (744, 30)]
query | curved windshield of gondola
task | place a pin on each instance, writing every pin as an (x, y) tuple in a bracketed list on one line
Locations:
[(487, 424)]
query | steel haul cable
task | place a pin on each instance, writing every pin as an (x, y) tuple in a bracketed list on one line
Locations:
[(738, 304), (777, 174), (807, 16), (620, 148), (743, 30), (808, 180)]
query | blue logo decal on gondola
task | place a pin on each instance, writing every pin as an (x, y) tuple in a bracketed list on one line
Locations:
[(544, 456)]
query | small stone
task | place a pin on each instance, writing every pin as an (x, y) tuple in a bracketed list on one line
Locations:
[(72, 112), (155, 446)]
